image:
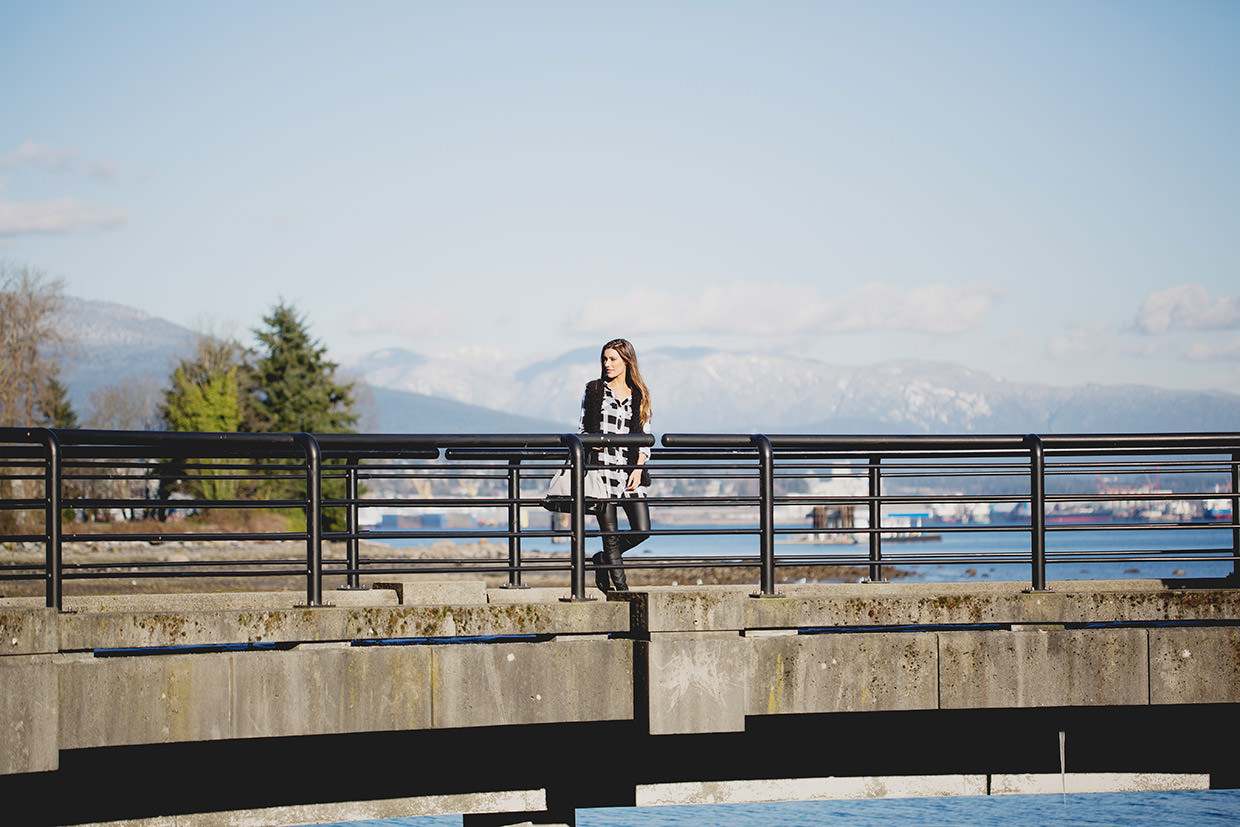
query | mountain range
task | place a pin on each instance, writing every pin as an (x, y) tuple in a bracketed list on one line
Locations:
[(693, 390)]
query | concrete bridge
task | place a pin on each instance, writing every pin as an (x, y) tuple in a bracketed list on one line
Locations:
[(517, 705)]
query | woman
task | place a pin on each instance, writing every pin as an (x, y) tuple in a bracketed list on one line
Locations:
[(618, 402)]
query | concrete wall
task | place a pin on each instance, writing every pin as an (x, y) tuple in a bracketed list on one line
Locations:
[(319, 689), (665, 661), (717, 655), (545, 661)]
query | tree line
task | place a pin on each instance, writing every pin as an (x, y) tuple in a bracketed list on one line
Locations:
[(285, 384)]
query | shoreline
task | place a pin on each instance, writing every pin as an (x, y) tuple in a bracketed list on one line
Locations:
[(265, 554)]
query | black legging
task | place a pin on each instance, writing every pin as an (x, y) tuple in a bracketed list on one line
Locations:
[(639, 521)]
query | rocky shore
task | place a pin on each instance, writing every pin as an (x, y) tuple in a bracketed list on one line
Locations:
[(238, 565)]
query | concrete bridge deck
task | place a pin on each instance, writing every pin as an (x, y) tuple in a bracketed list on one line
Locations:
[(508, 705)]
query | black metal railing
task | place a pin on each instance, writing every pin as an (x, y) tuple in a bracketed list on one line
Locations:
[(488, 488)]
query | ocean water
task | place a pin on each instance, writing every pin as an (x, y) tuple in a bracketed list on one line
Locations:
[(1168, 809), (956, 556)]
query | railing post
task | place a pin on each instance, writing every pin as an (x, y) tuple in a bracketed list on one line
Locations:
[(1235, 514), (52, 524), (577, 463), (514, 526), (353, 580), (876, 517), (314, 519), (766, 514), (1037, 511)]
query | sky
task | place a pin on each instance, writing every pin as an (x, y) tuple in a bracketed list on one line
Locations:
[(1046, 191)]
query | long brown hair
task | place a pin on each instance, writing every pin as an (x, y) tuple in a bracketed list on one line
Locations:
[(632, 375)]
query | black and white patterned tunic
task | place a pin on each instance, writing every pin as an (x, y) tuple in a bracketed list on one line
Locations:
[(617, 418)]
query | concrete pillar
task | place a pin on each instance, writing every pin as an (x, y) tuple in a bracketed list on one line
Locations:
[(29, 715), (29, 690)]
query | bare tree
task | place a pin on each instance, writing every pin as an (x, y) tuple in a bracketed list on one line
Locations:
[(132, 406), (31, 341), (31, 344)]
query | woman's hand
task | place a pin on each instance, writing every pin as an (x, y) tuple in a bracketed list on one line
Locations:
[(635, 479)]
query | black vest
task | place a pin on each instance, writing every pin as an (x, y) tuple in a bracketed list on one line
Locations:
[(592, 421)]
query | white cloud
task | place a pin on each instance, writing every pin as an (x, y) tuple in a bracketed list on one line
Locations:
[(1188, 306), (61, 215), (54, 159), (1145, 349), (406, 320), (1205, 352), (1083, 339), (41, 155), (104, 168), (775, 310), (934, 308)]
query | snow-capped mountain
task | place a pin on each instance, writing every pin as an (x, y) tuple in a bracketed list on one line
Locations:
[(113, 343), (693, 389), (714, 391)]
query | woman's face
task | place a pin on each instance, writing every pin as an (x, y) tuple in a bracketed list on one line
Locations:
[(613, 364)]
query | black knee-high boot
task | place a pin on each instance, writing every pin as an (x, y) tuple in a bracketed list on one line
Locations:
[(611, 555), (602, 578), (613, 547)]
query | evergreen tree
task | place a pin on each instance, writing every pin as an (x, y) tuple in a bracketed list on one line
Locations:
[(55, 408), (292, 387)]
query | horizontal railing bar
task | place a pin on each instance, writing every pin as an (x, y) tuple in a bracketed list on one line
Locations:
[(1139, 467), (854, 442), (887, 444), (120, 537), (172, 505), (380, 454), (95, 438), (70, 574), (1169, 496), (1146, 526), (516, 454), (1179, 441), (170, 564)]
